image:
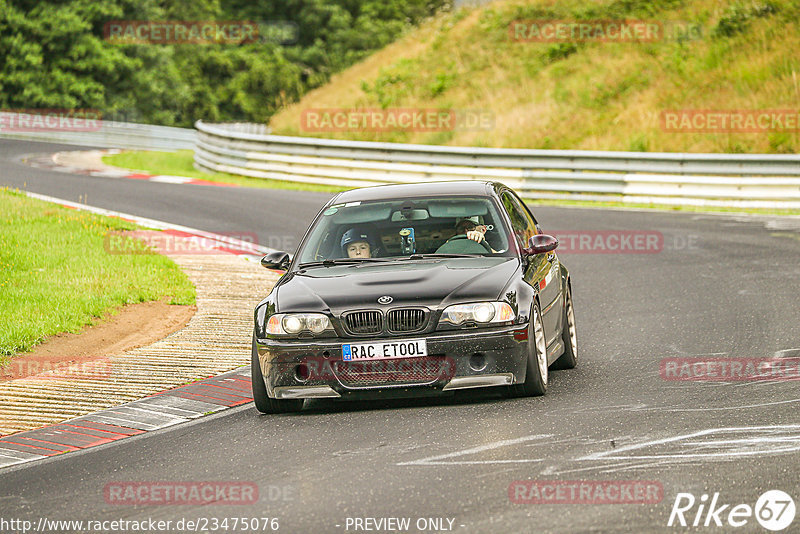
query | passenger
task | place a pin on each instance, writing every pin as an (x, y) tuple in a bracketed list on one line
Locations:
[(358, 243)]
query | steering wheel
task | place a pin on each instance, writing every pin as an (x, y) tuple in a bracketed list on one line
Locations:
[(467, 247)]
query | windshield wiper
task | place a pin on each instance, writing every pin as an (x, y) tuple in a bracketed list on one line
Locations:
[(346, 261), (340, 261), (426, 256)]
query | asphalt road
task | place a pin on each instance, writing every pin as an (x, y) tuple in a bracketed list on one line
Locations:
[(722, 285)]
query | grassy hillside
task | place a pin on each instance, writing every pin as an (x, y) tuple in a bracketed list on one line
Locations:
[(584, 95)]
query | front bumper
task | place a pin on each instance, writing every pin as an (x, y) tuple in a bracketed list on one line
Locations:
[(299, 369)]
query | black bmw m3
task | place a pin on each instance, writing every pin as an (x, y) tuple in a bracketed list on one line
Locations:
[(414, 289)]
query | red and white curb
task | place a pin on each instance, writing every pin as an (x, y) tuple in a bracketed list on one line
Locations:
[(168, 408), (48, 161), (165, 409)]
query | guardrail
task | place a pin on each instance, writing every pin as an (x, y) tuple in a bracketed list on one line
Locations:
[(741, 180), (101, 134)]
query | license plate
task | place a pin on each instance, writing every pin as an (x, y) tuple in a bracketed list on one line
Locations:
[(384, 351)]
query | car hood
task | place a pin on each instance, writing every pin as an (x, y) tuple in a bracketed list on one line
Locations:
[(429, 282)]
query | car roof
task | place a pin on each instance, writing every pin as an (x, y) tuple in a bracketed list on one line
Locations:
[(394, 191)]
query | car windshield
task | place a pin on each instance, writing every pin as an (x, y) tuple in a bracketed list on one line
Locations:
[(407, 228)]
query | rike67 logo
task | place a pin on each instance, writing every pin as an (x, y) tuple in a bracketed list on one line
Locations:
[(774, 510)]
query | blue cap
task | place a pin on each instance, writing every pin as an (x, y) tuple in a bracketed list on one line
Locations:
[(355, 235)]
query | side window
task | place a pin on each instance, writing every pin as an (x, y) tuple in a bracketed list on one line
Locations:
[(524, 227)]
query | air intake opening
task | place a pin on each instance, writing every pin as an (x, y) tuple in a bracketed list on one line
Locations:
[(363, 322), (478, 362), (301, 373), (406, 320)]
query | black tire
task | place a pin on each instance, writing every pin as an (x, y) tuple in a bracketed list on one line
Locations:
[(536, 374), (569, 336), (263, 403)]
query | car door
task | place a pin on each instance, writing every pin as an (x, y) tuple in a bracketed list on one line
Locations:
[(542, 269)]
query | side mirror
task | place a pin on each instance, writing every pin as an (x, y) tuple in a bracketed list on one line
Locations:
[(539, 244), (276, 260)]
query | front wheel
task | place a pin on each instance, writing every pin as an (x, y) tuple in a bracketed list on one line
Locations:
[(263, 403), (569, 336), (536, 373)]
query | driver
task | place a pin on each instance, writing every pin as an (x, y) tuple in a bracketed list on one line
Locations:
[(474, 231), (358, 243), (469, 228)]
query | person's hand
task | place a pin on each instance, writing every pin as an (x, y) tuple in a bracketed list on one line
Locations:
[(477, 234)]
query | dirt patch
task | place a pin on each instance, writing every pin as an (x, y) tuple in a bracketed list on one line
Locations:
[(135, 325)]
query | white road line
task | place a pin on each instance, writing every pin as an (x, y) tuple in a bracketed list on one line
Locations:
[(149, 417), (155, 414), (682, 439), (645, 408), (158, 225), (551, 471), (101, 417), (769, 382), (193, 408), (435, 460), (110, 174), (777, 439), (167, 179), (637, 465), (166, 410), (19, 455), (762, 405)]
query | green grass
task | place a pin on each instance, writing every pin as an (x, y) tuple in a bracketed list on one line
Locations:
[(56, 276), (180, 163)]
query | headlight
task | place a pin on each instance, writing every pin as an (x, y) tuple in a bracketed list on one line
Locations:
[(478, 312), (317, 323), (291, 324)]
